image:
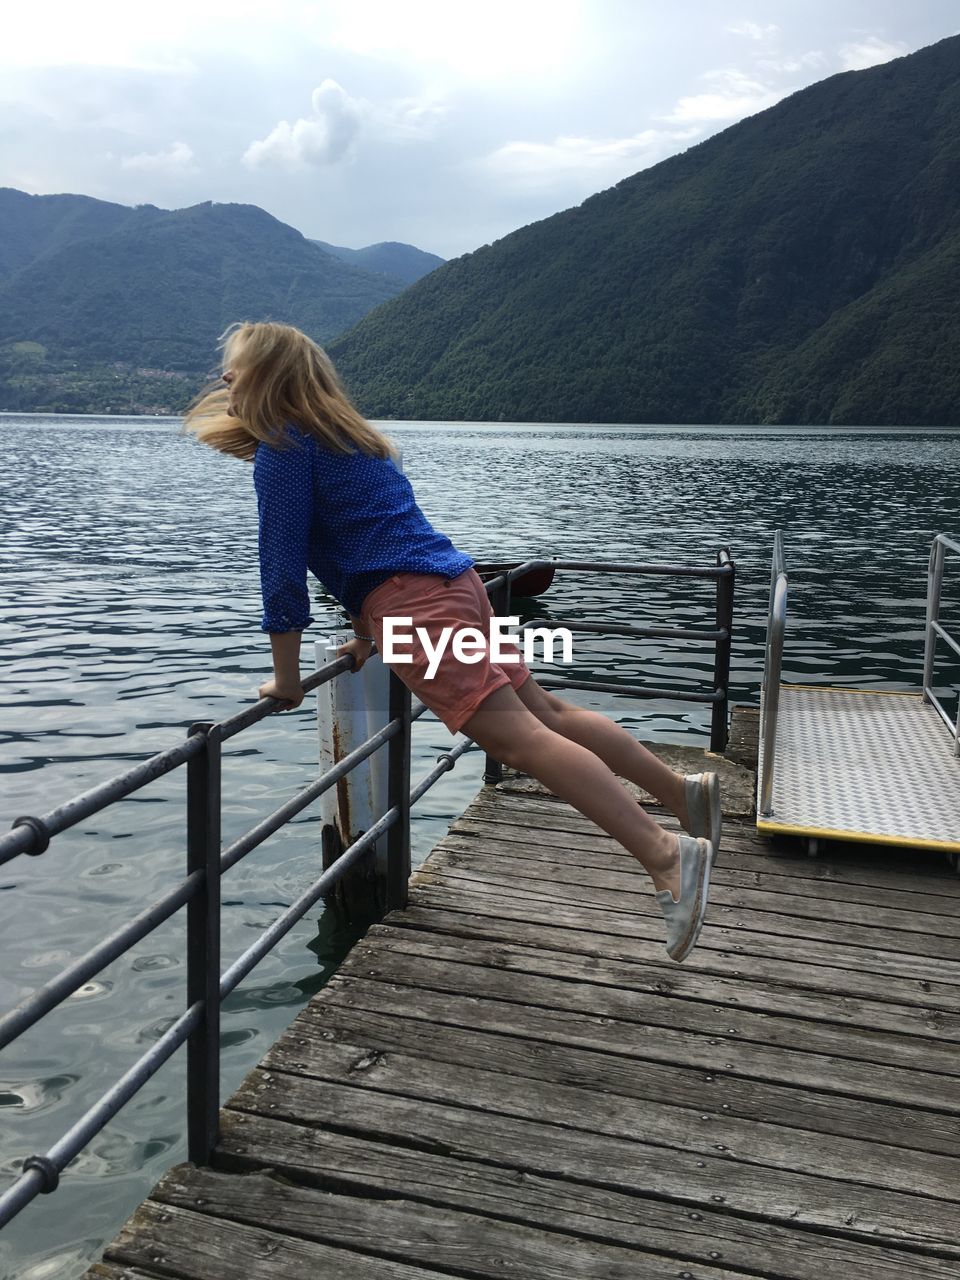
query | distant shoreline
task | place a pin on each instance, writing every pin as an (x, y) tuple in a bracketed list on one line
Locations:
[(718, 428)]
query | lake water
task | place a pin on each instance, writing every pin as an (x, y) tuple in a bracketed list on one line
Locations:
[(131, 608)]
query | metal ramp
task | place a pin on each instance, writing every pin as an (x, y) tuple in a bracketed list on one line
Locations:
[(858, 764)]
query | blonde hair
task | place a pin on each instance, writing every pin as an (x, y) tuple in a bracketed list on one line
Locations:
[(281, 376)]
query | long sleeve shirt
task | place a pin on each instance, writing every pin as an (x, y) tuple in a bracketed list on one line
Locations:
[(349, 518)]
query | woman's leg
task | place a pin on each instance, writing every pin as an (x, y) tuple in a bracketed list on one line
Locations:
[(617, 748), (511, 733)]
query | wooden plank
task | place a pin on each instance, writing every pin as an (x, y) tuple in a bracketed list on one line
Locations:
[(557, 815), (905, 952), (716, 1073), (110, 1271), (366, 1165), (434, 889), (459, 1112), (738, 854), (937, 934), (422, 1234), (931, 1029), (614, 1096), (424, 960), (490, 835), (182, 1238), (433, 910), (741, 853), (872, 864), (737, 851), (743, 745), (753, 890)]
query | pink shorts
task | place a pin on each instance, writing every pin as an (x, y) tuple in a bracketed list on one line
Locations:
[(433, 602)]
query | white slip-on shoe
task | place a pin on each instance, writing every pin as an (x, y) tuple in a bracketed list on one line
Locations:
[(702, 794), (684, 916)]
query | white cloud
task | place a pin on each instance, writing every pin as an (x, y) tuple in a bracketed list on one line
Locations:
[(810, 61), (870, 53), (753, 30), (490, 41), (104, 33), (321, 139), (736, 95), (416, 117), (178, 158), (595, 160)]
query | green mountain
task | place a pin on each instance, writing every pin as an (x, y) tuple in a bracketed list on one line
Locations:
[(802, 266), (103, 306), (390, 258), (36, 225)]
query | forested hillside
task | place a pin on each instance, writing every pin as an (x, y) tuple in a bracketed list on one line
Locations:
[(402, 261), (107, 307), (802, 266)]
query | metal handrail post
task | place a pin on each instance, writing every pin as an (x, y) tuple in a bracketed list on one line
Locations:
[(776, 565), (934, 589), (500, 604), (203, 945), (764, 681), (771, 691), (719, 727), (398, 796)]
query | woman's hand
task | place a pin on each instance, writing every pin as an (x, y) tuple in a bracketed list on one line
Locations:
[(361, 650), (290, 695)]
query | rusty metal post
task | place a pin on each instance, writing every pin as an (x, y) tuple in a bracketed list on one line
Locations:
[(349, 710)]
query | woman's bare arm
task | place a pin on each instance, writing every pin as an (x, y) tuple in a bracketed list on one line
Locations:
[(286, 657)]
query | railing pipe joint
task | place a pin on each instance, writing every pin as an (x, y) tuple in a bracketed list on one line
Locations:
[(41, 833)]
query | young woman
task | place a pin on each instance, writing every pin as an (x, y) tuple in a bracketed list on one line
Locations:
[(331, 500)]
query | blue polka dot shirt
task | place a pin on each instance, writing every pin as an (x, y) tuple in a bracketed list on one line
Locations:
[(350, 518)]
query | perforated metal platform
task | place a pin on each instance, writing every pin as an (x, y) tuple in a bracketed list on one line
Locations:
[(863, 765)]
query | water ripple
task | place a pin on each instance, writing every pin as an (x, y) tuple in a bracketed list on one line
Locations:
[(129, 555)]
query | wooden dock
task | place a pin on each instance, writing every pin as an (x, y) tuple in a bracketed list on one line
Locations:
[(510, 1078)]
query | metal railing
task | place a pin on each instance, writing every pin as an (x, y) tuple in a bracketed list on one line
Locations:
[(718, 695), (772, 669), (199, 1025), (934, 631)]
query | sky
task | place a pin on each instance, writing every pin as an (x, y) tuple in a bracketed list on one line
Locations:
[(441, 123)]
